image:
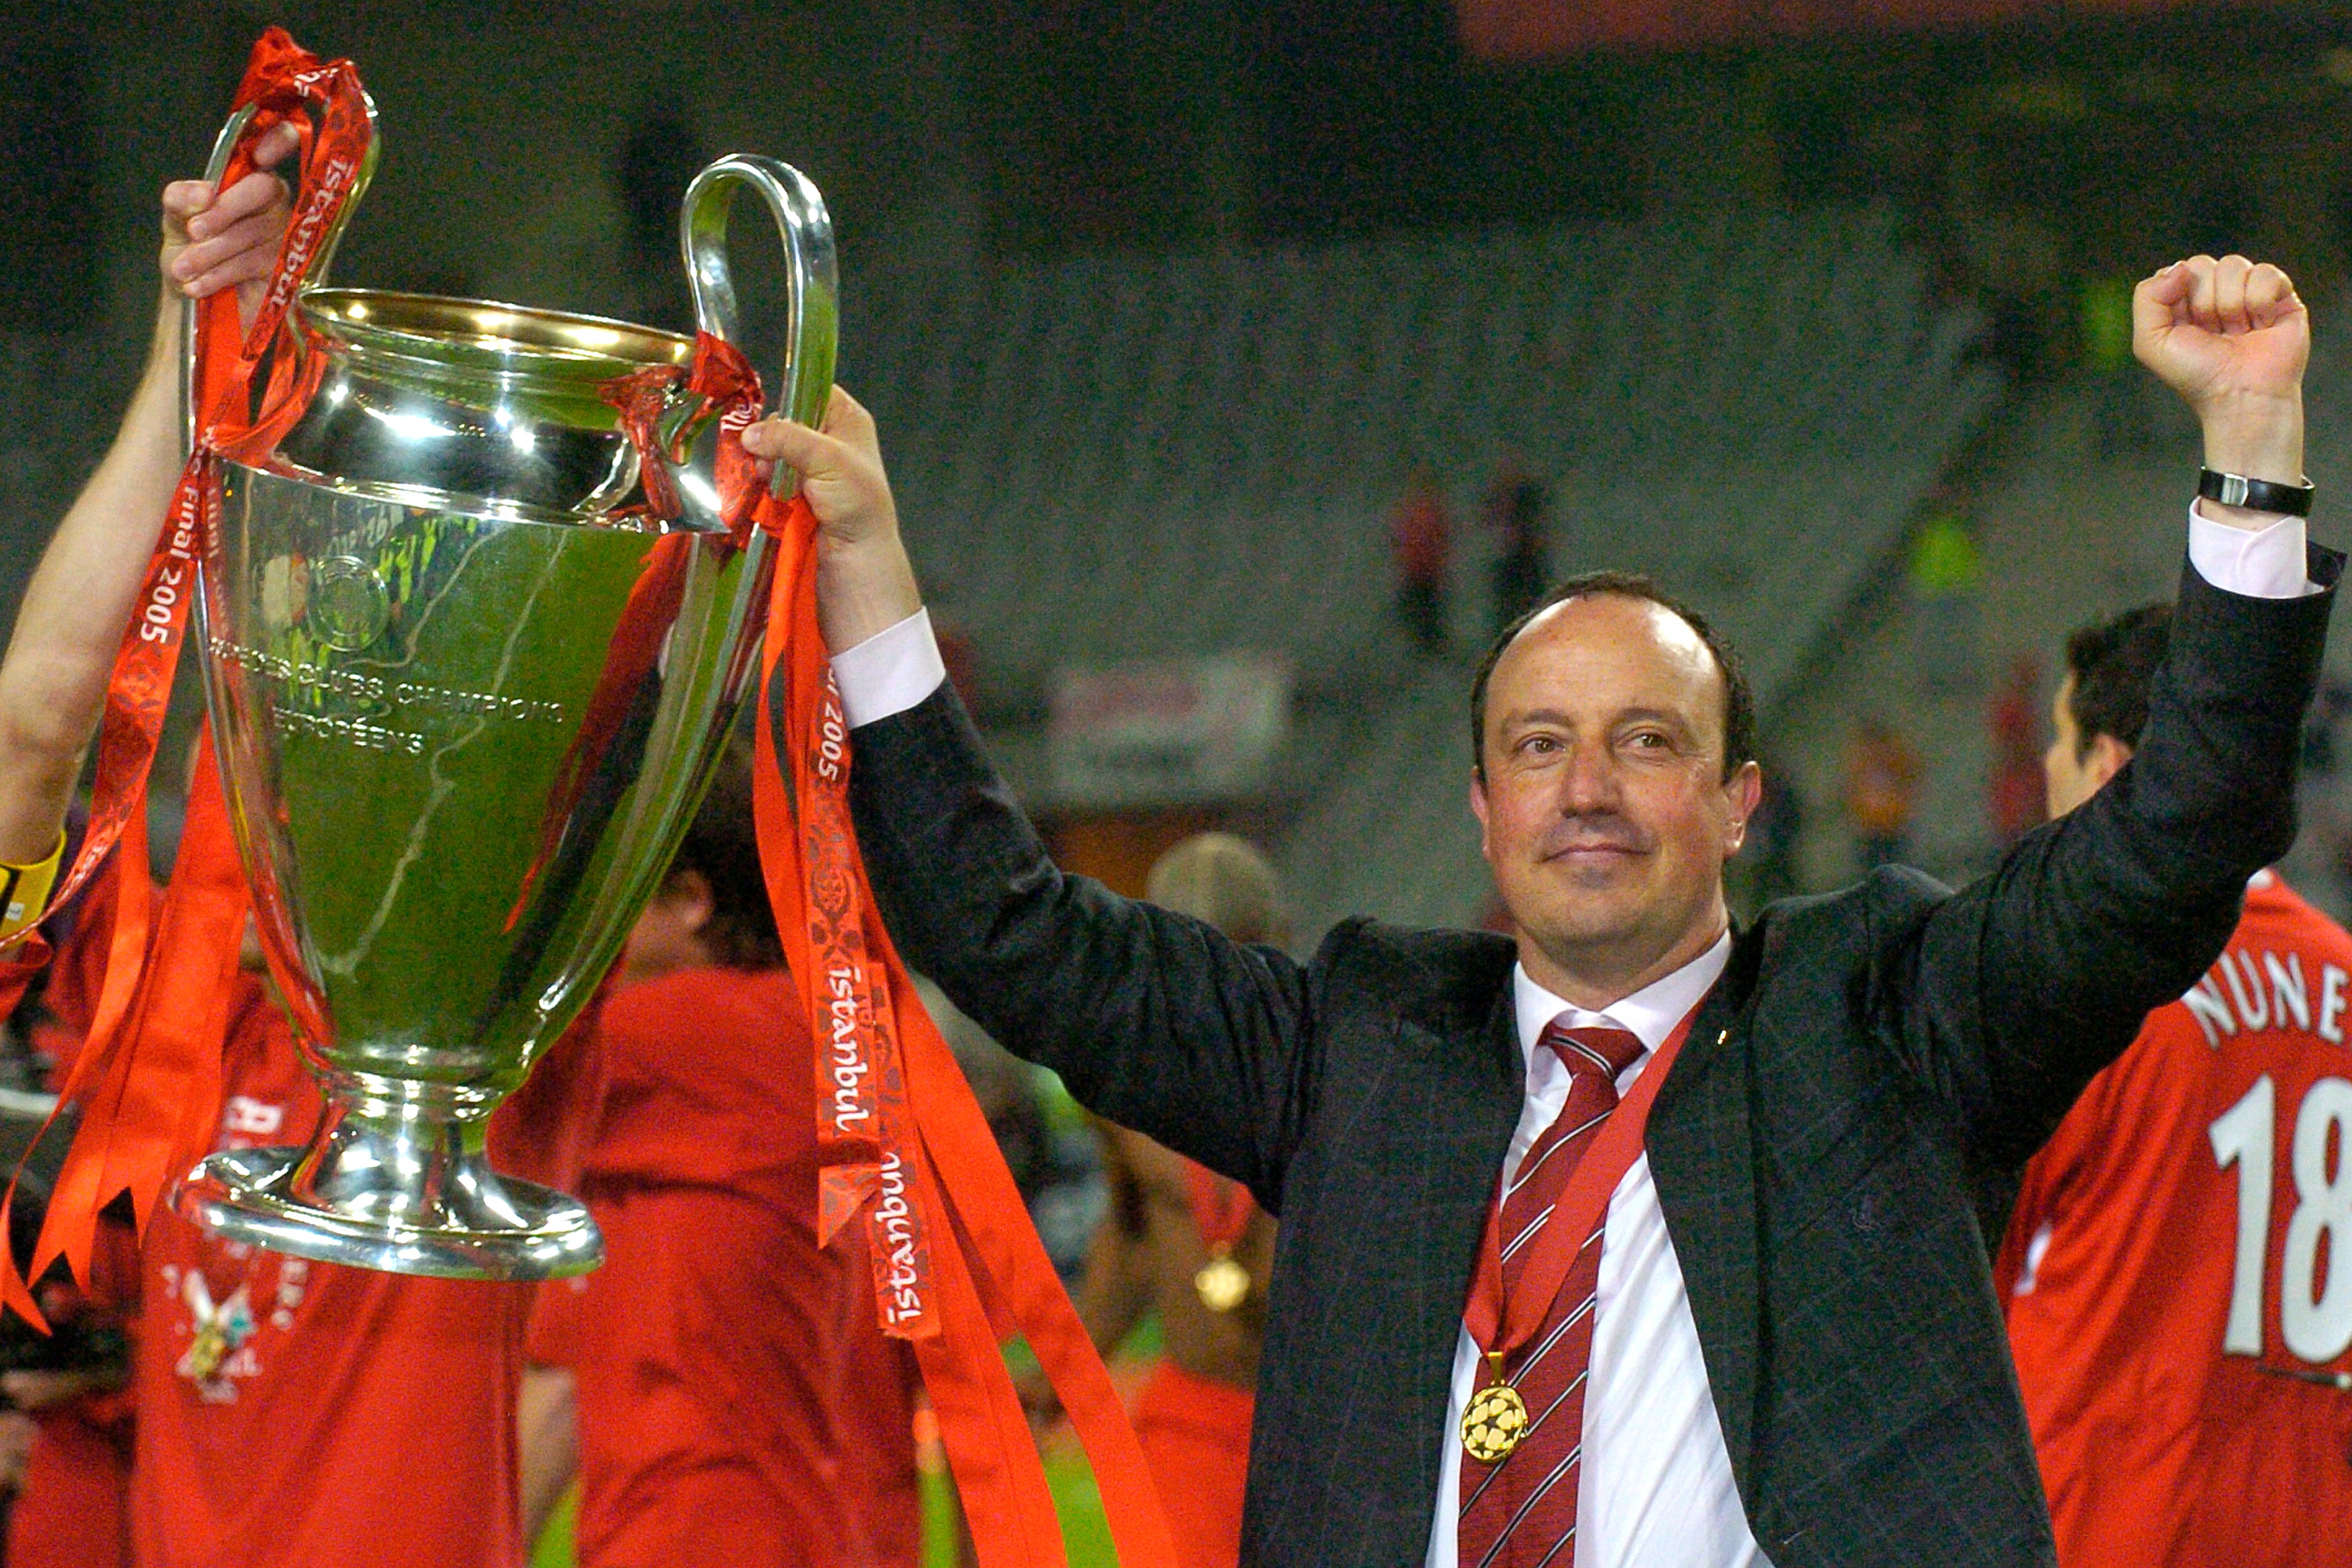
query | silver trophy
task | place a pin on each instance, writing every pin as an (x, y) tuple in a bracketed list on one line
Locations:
[(468, 687)]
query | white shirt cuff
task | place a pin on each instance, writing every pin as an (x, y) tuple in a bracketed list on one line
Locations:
[(2268, 562), (890, 672)]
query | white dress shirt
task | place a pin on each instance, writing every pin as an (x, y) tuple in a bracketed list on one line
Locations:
[(1656, 1489)]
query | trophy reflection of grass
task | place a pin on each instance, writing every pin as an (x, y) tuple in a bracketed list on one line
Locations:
[(413, 769)]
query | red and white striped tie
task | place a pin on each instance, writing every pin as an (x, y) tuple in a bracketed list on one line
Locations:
[(1520, 1512)]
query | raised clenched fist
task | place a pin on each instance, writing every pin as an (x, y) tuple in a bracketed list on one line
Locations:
[(2232, 338)]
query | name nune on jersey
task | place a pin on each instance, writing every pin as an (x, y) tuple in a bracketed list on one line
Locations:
[(2177, 1274)]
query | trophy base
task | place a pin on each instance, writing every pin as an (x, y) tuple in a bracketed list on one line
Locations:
[(508, 1230)]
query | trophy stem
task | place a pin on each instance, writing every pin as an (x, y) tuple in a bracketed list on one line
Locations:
[(396, 1178)]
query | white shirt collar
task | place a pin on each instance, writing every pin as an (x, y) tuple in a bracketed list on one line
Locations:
[(1650, 1013)]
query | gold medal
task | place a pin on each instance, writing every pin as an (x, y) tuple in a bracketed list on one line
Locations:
[(1222, 1284), (1494, 1423), (1496, 1419)]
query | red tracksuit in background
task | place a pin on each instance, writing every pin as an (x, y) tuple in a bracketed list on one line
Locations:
[(737, 1401)]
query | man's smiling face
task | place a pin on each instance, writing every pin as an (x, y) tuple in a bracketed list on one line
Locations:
[(1601, 804)]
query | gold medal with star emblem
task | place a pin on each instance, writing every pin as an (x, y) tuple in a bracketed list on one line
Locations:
[(1493, 1424)]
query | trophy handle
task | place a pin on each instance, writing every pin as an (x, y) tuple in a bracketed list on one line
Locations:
[(224, 148), (812, 324)]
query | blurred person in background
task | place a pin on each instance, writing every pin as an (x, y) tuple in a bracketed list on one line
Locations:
[(1768, 1333), (1192, 1246), (1420, 537), (1516, 507), (2176, 1272), (1882, 793), (77, 1424), (2015, 791), (721, 1387)]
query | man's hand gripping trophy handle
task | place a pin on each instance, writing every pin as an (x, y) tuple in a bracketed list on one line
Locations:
[(865, 583)]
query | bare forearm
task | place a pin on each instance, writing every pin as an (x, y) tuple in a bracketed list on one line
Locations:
[(2260, 437), (547, 1434), (863, 590), (53, 681)]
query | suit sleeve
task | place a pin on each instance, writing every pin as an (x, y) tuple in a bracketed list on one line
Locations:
[(1155, 1021), (2010, 995)]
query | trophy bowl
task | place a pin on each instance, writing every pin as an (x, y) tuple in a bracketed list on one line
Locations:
[(467, 685)]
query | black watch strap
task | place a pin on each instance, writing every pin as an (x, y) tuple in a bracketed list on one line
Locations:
[(2255, 495)]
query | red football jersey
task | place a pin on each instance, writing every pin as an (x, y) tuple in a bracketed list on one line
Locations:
[(2177, 1273), (295, 1413), (737, 1402)]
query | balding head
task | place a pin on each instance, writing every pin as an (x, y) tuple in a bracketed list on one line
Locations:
[(1739, 702), (1219, 878)]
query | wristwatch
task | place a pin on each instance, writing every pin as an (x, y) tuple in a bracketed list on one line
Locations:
[(2255, 495)]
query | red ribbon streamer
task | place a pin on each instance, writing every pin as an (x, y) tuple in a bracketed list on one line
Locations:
[(148, 1080), (1221, 1207)]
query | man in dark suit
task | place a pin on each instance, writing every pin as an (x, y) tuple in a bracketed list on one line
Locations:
[(1499, 1331)]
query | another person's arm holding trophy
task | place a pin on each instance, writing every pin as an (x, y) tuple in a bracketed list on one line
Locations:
[(53, 687), (53, 681)]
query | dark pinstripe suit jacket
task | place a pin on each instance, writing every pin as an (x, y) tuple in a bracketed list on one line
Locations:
[(1872, 1070)]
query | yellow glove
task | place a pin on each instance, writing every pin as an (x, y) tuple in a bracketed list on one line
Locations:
[(25, 893)]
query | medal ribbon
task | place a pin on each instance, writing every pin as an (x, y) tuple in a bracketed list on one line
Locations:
[(958, 1269), (1500, 1325), (1222, 1209), (148, 1080)]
